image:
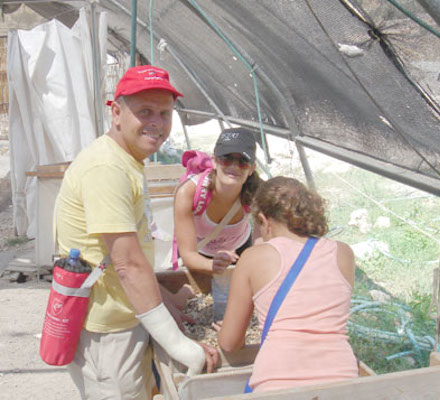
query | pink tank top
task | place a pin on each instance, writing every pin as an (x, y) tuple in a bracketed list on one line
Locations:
[(231, 237), (307, 342)]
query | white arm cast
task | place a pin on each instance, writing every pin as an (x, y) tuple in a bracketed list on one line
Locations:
[(163, 329)]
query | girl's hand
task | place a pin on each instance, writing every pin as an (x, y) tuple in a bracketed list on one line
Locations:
[(222, 260), (217, 325)]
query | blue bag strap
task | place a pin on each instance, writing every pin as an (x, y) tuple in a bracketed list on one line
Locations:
[(283, 290)]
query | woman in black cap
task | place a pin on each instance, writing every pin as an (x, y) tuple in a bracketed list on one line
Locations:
[(232, 179)]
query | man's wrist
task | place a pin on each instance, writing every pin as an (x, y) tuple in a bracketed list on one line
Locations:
[(164, 330)]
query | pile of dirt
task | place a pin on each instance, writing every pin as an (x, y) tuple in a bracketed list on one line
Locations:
[(200, 309)]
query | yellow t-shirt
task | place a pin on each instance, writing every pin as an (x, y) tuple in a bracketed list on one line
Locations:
[(103, 192)]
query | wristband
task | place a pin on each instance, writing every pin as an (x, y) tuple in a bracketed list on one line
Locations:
[(164, 330)]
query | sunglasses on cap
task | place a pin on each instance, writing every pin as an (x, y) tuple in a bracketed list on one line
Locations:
[(228, 159)]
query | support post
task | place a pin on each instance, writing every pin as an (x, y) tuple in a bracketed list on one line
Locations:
[(96, 71), (133, 33), (185, 132), (432, 7)]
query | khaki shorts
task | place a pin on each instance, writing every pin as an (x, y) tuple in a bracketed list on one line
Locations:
[(114, 366)]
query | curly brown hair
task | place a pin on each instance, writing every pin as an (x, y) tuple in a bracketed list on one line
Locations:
[(288, 201), (248, 189)]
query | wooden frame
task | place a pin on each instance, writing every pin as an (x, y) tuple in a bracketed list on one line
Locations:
[(162, 180), (235, 369)]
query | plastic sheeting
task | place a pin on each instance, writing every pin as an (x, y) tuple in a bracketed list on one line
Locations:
[(51, 111)]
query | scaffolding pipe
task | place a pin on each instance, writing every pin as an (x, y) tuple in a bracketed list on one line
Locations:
[(220, 113), (432, 7), (185, 132), (96, 72), (133, 33), (190, 73), (179, 61), (5, 3), (276, 131), (287, 110), (388, 170), (192, 76)]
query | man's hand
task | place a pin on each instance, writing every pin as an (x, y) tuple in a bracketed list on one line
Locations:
[(163, 329), (222, 260), (212, 357)]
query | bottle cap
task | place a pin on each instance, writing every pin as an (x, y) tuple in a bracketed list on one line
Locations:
[(74, 253)]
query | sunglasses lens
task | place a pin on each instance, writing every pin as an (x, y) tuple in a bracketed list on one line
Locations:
[(225, 160), (244, 163), (228, 159)]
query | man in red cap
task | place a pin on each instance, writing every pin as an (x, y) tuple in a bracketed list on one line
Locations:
[(101, 209)]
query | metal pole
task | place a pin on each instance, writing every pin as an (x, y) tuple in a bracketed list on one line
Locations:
[(38, 1), (388, 170), (191, 75), (185, 132), (291, 120), (432, 7), (133, 33), (174, 55), (211, 101), (288, 109), (96, 71)]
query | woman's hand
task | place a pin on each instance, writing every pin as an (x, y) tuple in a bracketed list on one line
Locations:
[(222, 260), (217, 325), (212, 357)]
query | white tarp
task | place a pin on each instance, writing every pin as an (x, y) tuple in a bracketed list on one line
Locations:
[(51, 103)]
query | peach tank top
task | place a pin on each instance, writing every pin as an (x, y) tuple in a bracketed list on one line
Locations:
[(307, 342)]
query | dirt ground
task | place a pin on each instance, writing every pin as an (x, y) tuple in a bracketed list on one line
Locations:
[(22, 306), (22, 373)]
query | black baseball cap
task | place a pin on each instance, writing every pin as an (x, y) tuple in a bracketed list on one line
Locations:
[(236, 140)]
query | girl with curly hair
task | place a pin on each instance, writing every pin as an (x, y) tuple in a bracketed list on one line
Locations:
[(307, 341)]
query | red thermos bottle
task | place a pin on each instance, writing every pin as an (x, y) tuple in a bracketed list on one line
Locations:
[(66, 310)]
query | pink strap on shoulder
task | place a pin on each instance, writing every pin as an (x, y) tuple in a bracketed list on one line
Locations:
[(202, 195), (196, 162)]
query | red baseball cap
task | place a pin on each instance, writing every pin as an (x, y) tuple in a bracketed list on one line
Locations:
[(144, 77)]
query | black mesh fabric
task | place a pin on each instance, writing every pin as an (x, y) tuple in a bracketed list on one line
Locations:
[(375, 101)]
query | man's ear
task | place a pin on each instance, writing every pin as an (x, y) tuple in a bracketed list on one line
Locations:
[(116, 112), (214, 164)]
